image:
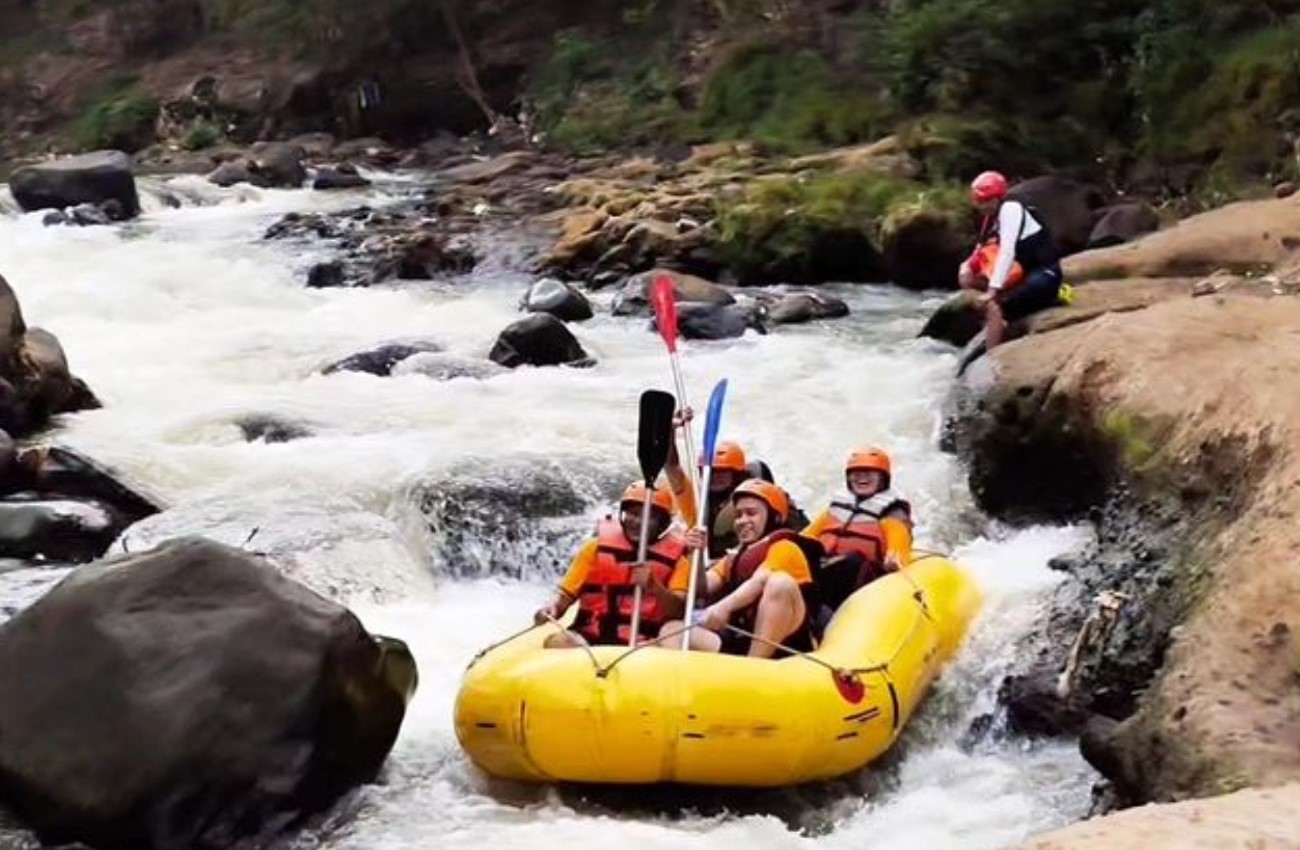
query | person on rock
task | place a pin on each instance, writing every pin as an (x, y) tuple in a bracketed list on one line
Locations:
[(1026, 276), (764, 587), (604, 575), (866, 531), (729, 468)]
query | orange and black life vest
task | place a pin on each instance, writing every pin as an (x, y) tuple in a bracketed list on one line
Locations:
[(746, 561), (853, 525), (606, 597)]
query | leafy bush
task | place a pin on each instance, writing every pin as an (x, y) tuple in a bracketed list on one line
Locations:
[(200, 135), (119, 117), (789, 100)]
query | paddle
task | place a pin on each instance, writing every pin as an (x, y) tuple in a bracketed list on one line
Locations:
[(654, 436), (664, 301), (712, 421)]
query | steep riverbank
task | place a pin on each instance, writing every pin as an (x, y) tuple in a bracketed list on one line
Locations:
[(1163, 414)]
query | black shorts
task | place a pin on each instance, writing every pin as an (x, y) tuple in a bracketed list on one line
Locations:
[(1040, 289)]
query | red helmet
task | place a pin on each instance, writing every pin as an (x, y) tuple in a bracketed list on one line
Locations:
[(989, 186), (767, 493), (636, 492), (868, 459)]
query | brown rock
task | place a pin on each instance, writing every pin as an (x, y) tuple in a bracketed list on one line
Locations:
[(1186, 394), (1247, 236), (1263, 819)]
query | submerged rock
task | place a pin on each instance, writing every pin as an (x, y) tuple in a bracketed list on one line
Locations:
[(561, 300), (381, 360)]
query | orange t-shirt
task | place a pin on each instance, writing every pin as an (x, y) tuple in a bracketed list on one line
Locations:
[(784, 556)]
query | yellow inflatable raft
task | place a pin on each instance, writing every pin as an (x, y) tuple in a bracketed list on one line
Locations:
[(610, 715)]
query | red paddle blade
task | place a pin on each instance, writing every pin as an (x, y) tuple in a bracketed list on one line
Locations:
[(665, 306)]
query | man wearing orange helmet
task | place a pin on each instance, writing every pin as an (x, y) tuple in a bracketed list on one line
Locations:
[(1024, 244), (764, 587), (729, 468), (866, 532), (604, 575)]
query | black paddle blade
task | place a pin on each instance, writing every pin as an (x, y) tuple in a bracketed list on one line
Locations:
[(654, 432)]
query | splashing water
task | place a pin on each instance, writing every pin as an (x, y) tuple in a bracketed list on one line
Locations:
[(185, 323)]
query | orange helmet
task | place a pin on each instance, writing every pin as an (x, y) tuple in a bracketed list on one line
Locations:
[(766, 492), (636, 492), (871, 458), (729, 456)]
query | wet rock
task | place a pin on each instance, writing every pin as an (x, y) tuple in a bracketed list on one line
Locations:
[(380, 361), (1123, 223), (955, 321), (91, 178), (339, 177), (269, 428), (1066, 206), (378, 246), (64, 472), (35, 382), (446, 367), (367, 149), (326, 275), (718, 321), (634, 297), (561, 300), (316, 146), (86, 215), (197, 737), (234, 172), (280, 164), (54, 218), (799, 307), (1035, 709), (539, 340), (488, 170), (513, 516), (49, 528)]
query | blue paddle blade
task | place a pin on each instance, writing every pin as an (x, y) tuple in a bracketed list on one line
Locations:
[(713, 421)]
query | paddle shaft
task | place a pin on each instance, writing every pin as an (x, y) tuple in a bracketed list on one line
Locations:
[(687, 438), (642, 547), (697, 558)]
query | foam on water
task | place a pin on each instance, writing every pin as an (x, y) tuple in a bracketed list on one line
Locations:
[(186, 321)]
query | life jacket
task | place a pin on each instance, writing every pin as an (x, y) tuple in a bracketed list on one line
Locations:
[(1032, 252), (606, 597), (746, 561), (853, 525), (986, 257)]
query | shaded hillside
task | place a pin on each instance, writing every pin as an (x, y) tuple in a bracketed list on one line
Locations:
[(1162, 95)]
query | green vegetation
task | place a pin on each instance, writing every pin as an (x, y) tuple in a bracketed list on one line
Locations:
[(780, 223), (789, 100), (200, 135), (119, 116), (592, 99)]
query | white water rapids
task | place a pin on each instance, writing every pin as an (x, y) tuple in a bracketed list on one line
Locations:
[(186, 321)]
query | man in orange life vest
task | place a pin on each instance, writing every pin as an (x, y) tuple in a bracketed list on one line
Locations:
[(604, 575), (1024, 243), (763, 587), (729, 468), (866, 531)]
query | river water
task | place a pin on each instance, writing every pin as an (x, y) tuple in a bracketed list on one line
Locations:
[(186, 322)]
